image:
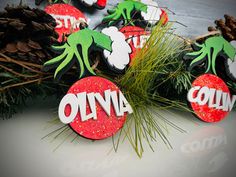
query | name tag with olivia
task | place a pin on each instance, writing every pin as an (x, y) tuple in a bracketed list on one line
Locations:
[(94, 108)]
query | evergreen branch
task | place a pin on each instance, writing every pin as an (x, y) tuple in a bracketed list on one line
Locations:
[(22, 80), (157, 67)]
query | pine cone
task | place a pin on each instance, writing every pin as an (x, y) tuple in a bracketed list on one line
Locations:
[(227, 27), (27, 34)]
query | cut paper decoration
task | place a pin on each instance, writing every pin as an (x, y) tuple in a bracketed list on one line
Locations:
[(208, 51), (136, 38), (67, 18), (154, 13), (99, 4), (95, 108), (118, 59), (127, 9), (77, 48), (124, 11), (231, 65), (164, 16), (210, 98)]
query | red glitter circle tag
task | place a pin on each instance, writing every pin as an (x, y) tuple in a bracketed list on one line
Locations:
[(209, 98), (136, 37), (104, 125), (65, 16), (165, 17), (101, 4)]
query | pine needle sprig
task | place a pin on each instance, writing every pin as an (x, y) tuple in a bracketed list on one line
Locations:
[(156, 75)]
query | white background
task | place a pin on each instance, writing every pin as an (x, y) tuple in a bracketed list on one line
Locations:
[(205, 150)]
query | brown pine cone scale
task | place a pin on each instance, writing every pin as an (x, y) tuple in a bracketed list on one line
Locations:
[(226, 26), (27, 34)]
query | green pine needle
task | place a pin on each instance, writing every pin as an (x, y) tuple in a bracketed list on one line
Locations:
[(157, 74)]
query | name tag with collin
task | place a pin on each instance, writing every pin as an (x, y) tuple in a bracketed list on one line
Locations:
[(210, 98)]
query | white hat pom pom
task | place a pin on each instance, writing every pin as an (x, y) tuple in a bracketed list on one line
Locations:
[(119, 58), (153, 14), (232, 64), (89, 2)]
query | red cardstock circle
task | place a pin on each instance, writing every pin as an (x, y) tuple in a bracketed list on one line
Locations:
[(105, 126), (65, 10), (133, 37), (101, 3), (165, 17), (204, 112)]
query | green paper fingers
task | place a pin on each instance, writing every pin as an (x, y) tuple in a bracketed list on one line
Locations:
[(124, 10), (208, 52), (77, 49), (58, 1)]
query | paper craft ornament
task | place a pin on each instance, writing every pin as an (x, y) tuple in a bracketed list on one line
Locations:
[(207, 53), (76, 49), (126, 10), (154, 13), (95, 108), (67, 18), (78, 46), (136, 37), (118, 59), (164, 16), (100, 4), (231, 65), (210, 98)]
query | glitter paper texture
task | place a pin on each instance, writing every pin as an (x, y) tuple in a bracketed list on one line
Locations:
[(133, 36), (65, 10), (204, 112), (105, 126)]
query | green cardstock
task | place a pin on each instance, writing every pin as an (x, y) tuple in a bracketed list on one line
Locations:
[(77, 49), (124, 10), (208, 52)]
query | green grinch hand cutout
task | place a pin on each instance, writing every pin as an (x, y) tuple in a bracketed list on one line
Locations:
[(77, 49), (58, 1), (208, 52), (110, 41), (124, 10)]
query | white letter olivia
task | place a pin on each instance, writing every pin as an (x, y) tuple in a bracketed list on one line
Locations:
[(79, 103)]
